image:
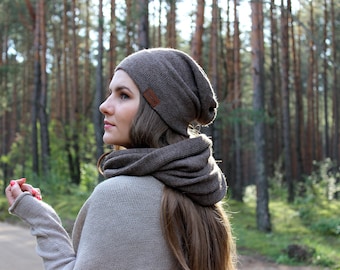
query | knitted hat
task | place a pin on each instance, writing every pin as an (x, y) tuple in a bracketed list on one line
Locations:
[(174, 85)]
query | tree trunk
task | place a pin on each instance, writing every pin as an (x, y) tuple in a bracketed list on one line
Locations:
[(171, 25), (336, 90), (296, 68), (128, 26), (285, 100), (43, 117), (97, 116), (113, 39), (272, 136), (56, 95), (197, 44), (75, 108), (36, 95), (227, 101), (257, 44), (310, 139), (143, 24), (325, 81), (160, 24), (238, 191), (213, 75), (65, 110), (5, 113), (87, 93)]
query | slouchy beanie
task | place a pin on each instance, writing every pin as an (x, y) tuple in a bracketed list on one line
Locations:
[(174, 85)]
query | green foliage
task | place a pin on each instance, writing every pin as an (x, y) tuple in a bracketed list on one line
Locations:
[(58, 179), (89, 176), (312, 221), (327, 226)]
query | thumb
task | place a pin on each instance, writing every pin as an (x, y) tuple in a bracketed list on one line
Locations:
[(15, 188), (21, 181)]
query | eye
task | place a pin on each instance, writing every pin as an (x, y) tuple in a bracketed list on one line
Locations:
[(124, 96)]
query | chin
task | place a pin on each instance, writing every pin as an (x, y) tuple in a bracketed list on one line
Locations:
[(108, 140)]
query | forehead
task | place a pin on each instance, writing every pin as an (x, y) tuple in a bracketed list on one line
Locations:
[(122, 80), (121, 77)]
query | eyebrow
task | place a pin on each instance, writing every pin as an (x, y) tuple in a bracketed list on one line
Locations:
[(120, 88)]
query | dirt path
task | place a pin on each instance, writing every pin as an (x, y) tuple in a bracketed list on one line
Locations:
[(17, 249), (17, 252)]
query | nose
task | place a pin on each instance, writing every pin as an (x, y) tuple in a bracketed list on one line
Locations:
[(105, 107)]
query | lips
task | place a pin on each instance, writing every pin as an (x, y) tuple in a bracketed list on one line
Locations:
[(107, 124)]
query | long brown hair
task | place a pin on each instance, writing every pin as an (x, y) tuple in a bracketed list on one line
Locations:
[(200, 238)]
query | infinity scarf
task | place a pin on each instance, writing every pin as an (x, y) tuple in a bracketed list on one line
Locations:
[(187, 166)]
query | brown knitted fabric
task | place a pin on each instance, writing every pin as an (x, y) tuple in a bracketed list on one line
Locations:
[(174, 85), (187, 166)]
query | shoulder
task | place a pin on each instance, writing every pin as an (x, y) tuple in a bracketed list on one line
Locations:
[(129, 188), (132, 183), (123, 218), (125, 196)]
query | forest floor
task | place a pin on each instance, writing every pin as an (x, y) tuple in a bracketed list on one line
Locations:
[(19, 247), (255, 262)]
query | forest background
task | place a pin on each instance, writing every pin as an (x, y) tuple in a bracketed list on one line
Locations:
[(273, 64)]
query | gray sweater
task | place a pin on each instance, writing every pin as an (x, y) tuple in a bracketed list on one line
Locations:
[(118, 227)]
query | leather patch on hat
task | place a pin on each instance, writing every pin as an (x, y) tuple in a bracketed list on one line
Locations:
[(151, 97)]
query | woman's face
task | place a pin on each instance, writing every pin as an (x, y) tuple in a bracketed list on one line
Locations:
[(119, 109)]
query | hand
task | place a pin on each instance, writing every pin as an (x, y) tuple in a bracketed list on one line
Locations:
[(16, 187)]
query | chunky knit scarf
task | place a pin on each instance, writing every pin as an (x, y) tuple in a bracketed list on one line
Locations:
[(187, 166)]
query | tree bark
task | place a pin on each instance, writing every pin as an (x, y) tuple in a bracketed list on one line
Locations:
[(310, 136), (325, 79), (97, 116), (160, 24), (113, 39), (197, 44), (87, 93), (75, 108), (274, 129), (129, 31), (238, 191), (257, 44), (285, 100), (43, 117), (35, 97), (299, 123), (335, 90), (171, 25), (143, 24)]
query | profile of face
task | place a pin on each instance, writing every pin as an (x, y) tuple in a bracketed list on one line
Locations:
[(119, 109)]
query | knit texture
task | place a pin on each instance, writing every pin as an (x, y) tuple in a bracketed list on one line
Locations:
[(187, 166), (118, 228), (174, 85)]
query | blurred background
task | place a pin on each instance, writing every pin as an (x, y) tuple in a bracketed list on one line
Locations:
[(273, 64)]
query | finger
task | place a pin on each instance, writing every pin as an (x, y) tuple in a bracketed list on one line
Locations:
[(21, 181), (38, 193), (15, 188), (9, 195), (27, 187), (34, 191), (13, 191)]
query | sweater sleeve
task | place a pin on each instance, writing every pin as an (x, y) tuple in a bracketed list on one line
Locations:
[(53, 242)]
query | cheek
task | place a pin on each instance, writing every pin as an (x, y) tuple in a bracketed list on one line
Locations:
[(130, 114)]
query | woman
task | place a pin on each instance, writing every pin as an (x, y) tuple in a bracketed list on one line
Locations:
[(160, 205)]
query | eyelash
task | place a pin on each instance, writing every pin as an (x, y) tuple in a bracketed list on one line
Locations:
[(122, 95)]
